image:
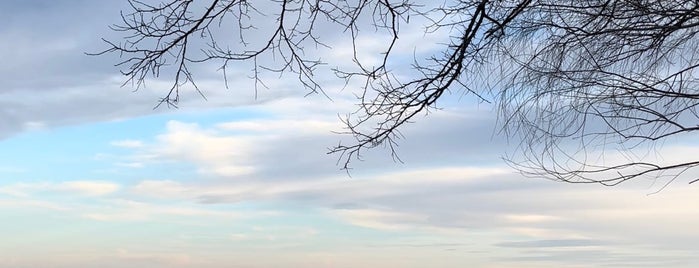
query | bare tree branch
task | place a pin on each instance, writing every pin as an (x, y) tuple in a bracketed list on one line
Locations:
[(594, 75)]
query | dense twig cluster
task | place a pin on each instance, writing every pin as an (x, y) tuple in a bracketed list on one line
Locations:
[(619, 73), (598, 72)]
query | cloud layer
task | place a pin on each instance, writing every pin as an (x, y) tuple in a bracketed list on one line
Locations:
[(243, 176)]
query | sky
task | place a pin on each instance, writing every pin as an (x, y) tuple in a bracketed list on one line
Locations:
[(92, 176)]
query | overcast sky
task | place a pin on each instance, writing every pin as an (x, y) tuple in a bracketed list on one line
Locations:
[(92, 176)]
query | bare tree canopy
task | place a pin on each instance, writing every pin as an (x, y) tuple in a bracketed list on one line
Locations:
[(571, 79)]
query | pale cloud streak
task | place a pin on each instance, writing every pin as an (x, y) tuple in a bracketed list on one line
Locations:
[(85, 188), (127, 143)]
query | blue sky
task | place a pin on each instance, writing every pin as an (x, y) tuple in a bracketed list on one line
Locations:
[(92, 176)]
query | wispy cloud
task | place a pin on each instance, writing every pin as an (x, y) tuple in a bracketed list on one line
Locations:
[(128, 143), (86, 188)]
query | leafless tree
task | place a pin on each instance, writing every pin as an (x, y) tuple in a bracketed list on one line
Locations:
[(572, 79)]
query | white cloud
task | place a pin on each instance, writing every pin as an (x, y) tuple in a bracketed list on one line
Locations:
[(127, 143), (92, 188), (283, 126), (214, 153), (380, 219)]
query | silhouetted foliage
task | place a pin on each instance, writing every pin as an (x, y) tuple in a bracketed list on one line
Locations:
[(569, 77)]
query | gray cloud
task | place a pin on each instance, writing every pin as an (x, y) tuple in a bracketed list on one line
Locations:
[(552, 243), (471, 193), (48, 79), (601, 258)]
